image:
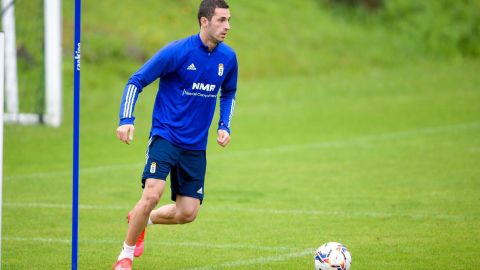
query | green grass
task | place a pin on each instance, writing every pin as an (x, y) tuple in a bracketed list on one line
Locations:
[(390, 168), (379, 153)]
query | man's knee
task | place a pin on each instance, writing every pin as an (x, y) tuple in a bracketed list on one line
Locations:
[(151, 199), (186, 216), (187, 209), (151, 194), (148, 202)]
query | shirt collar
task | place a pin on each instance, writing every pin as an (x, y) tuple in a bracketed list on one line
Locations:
[(200, 43)]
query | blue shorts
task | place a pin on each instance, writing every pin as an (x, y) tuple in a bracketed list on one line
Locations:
[(187, 167)]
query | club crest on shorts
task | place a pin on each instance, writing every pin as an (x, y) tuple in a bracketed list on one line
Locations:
[(153, 167), (220, 69)]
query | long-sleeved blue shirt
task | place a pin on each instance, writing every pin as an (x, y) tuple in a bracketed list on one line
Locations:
[(191, 78)]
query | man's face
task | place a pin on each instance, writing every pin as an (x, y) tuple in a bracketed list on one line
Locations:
[(218, 27)]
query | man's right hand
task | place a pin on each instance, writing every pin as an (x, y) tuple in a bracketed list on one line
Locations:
[(125, 133)]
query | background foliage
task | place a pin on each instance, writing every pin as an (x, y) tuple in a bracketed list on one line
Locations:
[(440, 28)]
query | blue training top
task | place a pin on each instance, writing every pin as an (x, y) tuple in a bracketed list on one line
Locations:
[(190, 80)]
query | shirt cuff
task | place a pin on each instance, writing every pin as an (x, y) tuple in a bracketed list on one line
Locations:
[(126, 121), (222, 126)]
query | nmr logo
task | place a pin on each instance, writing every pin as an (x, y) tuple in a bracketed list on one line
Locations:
[(204, 87)]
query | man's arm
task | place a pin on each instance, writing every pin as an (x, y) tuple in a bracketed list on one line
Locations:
[(227, 105), (161, 63), (129, 99)]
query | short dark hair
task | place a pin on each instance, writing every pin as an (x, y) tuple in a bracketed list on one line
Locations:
[(207, 8)]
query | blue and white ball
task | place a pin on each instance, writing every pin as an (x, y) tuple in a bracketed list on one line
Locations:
[(332, 256)]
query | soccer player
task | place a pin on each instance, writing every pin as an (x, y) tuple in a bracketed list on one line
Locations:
[(193, 71)]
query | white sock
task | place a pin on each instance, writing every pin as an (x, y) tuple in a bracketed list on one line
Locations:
[(149, 221), (127, 252)]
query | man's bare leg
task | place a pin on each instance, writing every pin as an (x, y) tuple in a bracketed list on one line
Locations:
[(185, 210), (139, 216)]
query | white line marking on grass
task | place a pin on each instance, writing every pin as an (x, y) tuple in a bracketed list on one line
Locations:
[(96, 169), (66, 206), (353, 141), (287, 212), (262, 260), (305, 212), (285, 148), (153, 243), (227, 246), (37, 239)]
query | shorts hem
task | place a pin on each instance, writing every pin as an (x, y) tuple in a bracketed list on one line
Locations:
[(195, 196), (144, 179)]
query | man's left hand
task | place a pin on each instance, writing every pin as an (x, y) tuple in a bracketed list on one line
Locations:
[(223, 137)]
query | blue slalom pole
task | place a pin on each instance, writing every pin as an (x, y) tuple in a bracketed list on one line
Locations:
[(76, 131)]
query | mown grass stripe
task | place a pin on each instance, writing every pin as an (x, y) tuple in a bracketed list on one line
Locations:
[(261, 260), (278, 149), (154, 243), (249, 210)]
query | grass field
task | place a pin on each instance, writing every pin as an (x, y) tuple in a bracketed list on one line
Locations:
[(380, 156)]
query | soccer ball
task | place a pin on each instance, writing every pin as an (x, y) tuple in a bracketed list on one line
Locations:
[(332, 256)]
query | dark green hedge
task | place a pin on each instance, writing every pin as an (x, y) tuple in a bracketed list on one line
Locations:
[(442, 27)]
